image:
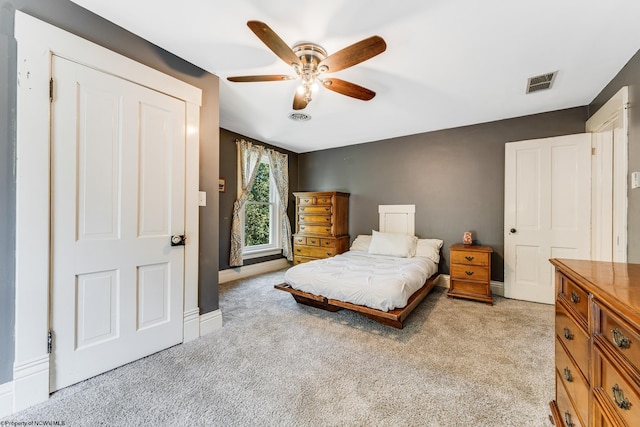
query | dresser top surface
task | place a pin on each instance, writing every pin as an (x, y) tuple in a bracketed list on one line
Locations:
[(617, 284)]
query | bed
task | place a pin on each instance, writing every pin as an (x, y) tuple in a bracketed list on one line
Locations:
[(383, 276)]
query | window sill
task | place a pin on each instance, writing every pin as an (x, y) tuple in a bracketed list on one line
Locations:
[(261, 253)]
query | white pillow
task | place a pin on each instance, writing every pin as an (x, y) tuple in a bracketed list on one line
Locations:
[(393, 244), (429, 248), (361, 243)]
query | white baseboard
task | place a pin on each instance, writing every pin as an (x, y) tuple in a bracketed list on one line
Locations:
[(497, 288), (6, 399), (191, 327), (210, 322), (30, 382), (251, 270)]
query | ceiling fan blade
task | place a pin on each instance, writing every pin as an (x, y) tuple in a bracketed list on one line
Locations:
[(354, 54), (298, 101), (349, 89), (274, 42), (265, 78)]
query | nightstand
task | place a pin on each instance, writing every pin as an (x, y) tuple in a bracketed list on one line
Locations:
[(470, 273)]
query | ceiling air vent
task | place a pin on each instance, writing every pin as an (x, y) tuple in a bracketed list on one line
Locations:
[(299, 117), (543, 81)]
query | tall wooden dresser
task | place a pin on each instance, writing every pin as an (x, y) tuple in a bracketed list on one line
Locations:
[(597, 344), (322, 225)]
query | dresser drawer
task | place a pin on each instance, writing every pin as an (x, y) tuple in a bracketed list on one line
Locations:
[(310, 218), (624, 340), (568, 413), (469, 272), (315, 229), (313, 241), (302, 259), (622, 395), (574, 338), (316, 252), (315, 200), (328, 243), (575, 298), (470, 258), (573, 380), (312, 209)]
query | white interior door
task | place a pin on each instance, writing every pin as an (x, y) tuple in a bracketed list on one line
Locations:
[(118, 177), (547, 211)]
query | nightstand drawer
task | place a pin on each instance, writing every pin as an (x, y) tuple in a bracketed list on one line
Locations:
[(469, 272), (470, 258)]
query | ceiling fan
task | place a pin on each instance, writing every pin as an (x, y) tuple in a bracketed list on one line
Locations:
[(310, 62)]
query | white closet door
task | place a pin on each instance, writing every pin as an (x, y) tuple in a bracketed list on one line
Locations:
[(547, 211), (118, 176)]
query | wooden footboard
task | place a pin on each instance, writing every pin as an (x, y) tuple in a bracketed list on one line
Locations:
[(393, 318)]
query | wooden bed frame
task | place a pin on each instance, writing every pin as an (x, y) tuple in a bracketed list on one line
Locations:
[(393, 219), (393, 318)]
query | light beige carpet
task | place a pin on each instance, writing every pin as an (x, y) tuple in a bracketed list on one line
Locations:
[(277, 363)]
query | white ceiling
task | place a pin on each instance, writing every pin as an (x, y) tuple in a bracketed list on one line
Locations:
[(447, 63)]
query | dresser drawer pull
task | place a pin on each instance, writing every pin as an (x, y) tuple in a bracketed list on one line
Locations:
[(328, 242), (327, 219), (328, 253), (327, 209), (619, 339), (567, 375), (313, 241), (618, 397), (469, 258), (307, 200), (469, 273), (327, 229), (301, 218), (298, 250), (567, 420), (301, 209), (575, 298), (567, 333)]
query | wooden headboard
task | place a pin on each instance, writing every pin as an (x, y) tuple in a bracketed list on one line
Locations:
[(398, 219)]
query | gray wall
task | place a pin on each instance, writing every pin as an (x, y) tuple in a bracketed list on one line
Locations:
[(70, 17), (628, 76), (455, 177), (229, 171)]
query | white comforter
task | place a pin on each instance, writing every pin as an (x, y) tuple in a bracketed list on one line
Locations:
[(376, 281)]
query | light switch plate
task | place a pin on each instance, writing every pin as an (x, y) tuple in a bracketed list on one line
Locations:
[(635, 179), (202, 198)]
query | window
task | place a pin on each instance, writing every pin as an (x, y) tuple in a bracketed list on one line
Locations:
[(261, 216)]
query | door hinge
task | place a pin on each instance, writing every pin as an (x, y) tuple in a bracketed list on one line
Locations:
[(51, 89), (49, 342)]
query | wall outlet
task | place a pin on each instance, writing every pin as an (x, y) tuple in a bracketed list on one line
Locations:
[(635, 179)]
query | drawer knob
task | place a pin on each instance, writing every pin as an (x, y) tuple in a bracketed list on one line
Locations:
[(469, 258), (567, 419), (469, 273), (327, 229), (619, 339), (327, 219), (618, 397), (575, 298), (567, 375), (567, 333), (299, 250)]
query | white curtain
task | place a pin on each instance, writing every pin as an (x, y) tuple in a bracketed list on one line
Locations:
[(249, 156), (279, 163)]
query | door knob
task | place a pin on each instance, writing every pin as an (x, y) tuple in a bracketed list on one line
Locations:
[(178, 240), (513, 230)]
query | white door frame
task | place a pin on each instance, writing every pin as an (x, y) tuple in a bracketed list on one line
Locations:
[(611, 221), (37, 41)]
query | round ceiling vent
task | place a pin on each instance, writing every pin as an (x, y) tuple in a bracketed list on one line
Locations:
[(299, 117)]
